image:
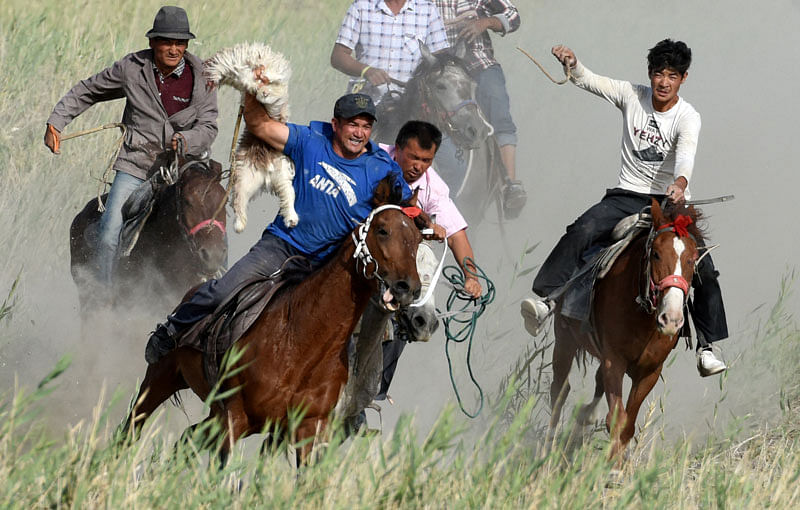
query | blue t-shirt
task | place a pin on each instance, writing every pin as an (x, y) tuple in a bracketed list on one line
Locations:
[(332, 194)]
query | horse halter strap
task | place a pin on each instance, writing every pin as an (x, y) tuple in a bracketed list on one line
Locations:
[(206, 223), (650, 300), (431, 106), (362, 254)]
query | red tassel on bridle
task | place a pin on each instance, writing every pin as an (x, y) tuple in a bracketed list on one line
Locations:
[(680, 225), (412, 212)]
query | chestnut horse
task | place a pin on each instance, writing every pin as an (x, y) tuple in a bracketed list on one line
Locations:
[(181, 244), (294, 356), (637, 316)]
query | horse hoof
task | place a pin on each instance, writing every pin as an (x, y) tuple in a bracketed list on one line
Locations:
[(239, 225)]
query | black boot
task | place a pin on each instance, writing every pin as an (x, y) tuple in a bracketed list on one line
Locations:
[(161, 342)]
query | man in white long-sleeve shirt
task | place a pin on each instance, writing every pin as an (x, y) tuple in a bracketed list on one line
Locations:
[(659, 140)]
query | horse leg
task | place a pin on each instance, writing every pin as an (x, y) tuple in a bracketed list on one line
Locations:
[(587, 411), (236, 425), (307, 433), (563, 353), (640, 388), (613, 370), (161, 381)]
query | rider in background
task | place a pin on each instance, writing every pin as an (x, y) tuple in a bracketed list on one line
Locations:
[(414, 149), (337, 170), (166, 104), (470, 21), (660, 134), (385, 36)]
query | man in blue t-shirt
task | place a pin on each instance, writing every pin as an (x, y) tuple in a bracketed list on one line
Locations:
[(336, 171)]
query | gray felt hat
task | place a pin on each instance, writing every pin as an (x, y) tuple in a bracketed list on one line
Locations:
[(171, 23)]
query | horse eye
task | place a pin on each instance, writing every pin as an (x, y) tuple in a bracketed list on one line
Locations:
[(383, 232), (656, 256), (441, 86)]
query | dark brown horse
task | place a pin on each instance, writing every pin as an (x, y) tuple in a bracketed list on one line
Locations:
[(294, 357), (181, 244), (631, 336)]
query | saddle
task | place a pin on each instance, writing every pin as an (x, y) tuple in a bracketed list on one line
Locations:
[(578, 293), (217, 332)]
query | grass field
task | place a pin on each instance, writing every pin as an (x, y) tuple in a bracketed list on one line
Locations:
[(46, 47)]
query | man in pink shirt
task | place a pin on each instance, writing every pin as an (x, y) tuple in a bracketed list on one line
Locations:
[(415, 146)]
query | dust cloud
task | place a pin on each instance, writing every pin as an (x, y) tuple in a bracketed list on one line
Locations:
[(741, 81)]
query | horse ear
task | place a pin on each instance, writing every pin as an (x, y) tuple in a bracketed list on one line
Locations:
[(423, 221), (382, 193), (413, 200), (427, 56), (656, 213)]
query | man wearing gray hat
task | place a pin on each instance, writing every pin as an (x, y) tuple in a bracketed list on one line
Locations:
[(167, 106)]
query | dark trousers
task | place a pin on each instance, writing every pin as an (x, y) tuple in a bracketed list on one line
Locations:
[(595, 226), (391, 355), (263, 259)]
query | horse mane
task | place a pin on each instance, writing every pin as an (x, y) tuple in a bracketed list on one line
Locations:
[(697, 228), (442, 60), (413, 91)]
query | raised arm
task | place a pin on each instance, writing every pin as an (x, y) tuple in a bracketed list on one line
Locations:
[(273, 132)]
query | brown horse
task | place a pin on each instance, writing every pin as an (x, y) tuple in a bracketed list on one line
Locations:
[(294, 357), (181, 244), (637, 316)]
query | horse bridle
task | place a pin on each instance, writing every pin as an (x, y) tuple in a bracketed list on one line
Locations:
[(362, 254), (190, 232), (432, 107), (649, 295)]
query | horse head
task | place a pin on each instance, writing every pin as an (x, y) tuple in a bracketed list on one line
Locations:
[(445, 92), (672, 256), (386, 246), (419, 319), (201, 214)]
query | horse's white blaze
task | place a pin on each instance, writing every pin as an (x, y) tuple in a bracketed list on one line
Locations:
[(672, 304)]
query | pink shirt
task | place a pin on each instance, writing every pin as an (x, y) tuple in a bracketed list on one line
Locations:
[(434, 198)]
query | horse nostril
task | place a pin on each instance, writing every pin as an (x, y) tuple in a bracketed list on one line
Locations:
[(417, 293), (662, 319), (419, 322), (401, 287)]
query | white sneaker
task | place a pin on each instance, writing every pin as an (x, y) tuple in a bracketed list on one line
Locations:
[(708, 364), (535, 313)]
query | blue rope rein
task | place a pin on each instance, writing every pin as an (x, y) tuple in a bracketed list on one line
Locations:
[(461, 319)]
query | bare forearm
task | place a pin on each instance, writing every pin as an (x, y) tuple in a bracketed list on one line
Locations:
[(342, 60), (259, 124), (459, 245)]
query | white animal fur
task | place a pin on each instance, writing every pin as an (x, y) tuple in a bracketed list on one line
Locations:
[(256, 165)]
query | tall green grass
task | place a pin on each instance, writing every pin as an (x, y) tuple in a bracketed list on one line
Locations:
[(506, 467), (46, 47)]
